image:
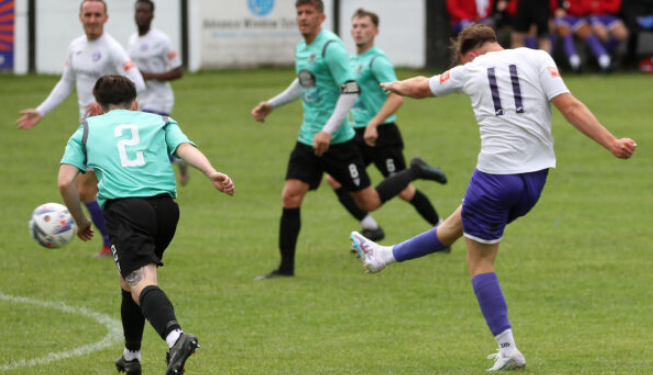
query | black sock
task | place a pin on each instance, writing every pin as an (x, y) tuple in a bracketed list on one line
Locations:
[(288, 233), (347, 200), (158, 310), (395, 184), (425, 208), (133, 321)]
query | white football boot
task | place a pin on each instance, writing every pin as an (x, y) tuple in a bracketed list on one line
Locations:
[(514, 361), (367, 252)]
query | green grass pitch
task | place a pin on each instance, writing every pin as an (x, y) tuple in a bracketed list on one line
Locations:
[(576, 271)]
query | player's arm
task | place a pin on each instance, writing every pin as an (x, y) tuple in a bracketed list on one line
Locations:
[(197, 159), (337, 61), (169, 75), (68, 190), (290, 94), (416, 87), (584, 120), (174, 69), (63, 88), (389, 108)]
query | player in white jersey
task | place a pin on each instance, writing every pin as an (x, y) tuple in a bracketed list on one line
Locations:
[(510, 91), (159, 63), (88, 57)]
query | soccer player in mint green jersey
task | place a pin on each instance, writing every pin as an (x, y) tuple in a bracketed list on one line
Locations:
[(129, 151), (377, 136), (328, 91), (88, 57)]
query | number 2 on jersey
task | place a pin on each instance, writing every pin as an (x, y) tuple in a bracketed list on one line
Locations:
[(516, 90), (134, 141)]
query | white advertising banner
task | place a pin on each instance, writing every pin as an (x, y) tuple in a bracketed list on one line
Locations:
[(247, 33)]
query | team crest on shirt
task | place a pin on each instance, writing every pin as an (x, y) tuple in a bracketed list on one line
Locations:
[(306, 79), (444, 77), (360, 69), (311, 59), (554, 72), (96, 56)]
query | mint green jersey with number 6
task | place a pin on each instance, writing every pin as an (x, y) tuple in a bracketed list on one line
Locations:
[(322, 66), (129, 153)]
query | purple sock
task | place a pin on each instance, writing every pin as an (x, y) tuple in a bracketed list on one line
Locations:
[(531, 42), (612, 44), (595, 45), (97, 217), (568, 45), (492, 302), (418, 246)]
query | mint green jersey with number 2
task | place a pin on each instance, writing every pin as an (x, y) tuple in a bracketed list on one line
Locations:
[(322, 66), (129, 152)]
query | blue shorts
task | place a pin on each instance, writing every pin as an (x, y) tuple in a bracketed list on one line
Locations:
[(492, 201), (607, 20), (573, 23)]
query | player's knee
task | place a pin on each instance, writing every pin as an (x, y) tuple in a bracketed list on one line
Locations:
[(291, 199), (367, 202)]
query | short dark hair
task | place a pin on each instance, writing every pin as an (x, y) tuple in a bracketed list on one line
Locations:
[(147, 2), (470, 37), (318, 4), (360, 12), (114, 89), (97, 1)]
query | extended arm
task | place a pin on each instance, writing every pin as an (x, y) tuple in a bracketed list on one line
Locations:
[(290, 94), (417, 87), (197, 159), (66, 182), (31, 117), (165, 76), (582, 119)]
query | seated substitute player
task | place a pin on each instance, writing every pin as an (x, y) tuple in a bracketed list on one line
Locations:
[(129, 151), (325, 144), (606, 25), (510, 91), (88, 57), (159, 63), (377, 136), (570, 21)]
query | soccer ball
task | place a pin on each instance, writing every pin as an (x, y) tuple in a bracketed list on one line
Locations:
[(52, 226)]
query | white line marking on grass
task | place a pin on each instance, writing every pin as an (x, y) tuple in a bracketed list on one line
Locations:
[(113, 335)]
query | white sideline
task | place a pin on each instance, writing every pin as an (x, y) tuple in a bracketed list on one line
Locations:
[(113, 336)]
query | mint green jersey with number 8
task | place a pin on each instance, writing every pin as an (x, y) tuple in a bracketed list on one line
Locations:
[(129, 152), (322, 66)]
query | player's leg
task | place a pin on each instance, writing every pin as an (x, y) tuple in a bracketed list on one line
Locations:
[(371, 228), (584, 32), (292, 197), (376, 257), (370, 199), (480, 259), (617, 34), (564, 29), (87, 188), (304, 172)]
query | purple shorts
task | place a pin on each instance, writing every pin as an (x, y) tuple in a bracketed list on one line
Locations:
[(492, 201), (573, 23), (607, 20)]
